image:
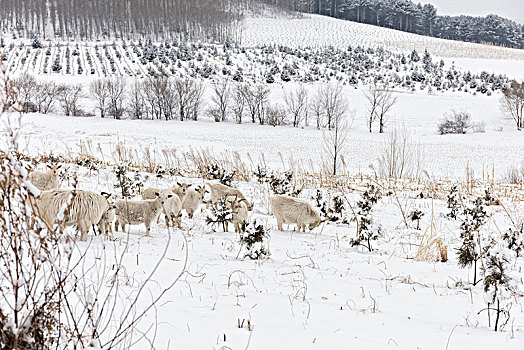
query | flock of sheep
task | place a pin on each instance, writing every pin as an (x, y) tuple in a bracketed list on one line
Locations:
[(86, 209)]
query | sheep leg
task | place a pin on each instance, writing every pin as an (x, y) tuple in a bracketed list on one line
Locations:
[(279, 225), (147, 229)]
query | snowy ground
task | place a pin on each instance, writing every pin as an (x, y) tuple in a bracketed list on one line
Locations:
[(442, 156), (315, 291)]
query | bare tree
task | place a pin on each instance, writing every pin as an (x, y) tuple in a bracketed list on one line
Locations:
[(220, 98), (512, 102), (386, 101), (99, 90), (26, 88), (297, 105), (239, 101), (115, 89), (69, 96), (372, 97), (46, 96), (333, 102), (317, 109), (401, 157), (335, 140), (261, 94), (184, 89), (196, 101), (136, 105)]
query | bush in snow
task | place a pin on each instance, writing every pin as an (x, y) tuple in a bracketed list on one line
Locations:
[(514, 238), (457, 123), (416, 215), (219, 213), (260, 174), (500, 285), (129, 185), (214, 172), (470, 251), (254, 241), (282, 184), (366, 230), (454, 202)]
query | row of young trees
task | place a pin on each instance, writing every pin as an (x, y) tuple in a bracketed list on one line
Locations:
[(95, 19), (408, 16)]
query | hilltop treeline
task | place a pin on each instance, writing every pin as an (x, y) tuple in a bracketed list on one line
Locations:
[(407, 16), (99, 19)]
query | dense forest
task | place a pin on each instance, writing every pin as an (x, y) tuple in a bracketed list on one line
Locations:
[(216, 20)]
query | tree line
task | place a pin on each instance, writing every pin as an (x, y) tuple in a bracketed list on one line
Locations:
[(408, 16), (108, 19)]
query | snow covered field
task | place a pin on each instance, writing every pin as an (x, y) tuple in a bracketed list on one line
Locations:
[(442, 156), (315, 291)]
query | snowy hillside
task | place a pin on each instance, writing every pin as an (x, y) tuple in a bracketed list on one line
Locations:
[(318, 31)]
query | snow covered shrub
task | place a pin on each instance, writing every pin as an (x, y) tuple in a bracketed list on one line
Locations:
[(454, 202), (282, 184), (129, 184), (367, 231), (416, 215), (219, 213), (500, 284), (514, 238), (215, 172), (254, 241), (457, 123), (275, 115), (260, 174), (470, 251)]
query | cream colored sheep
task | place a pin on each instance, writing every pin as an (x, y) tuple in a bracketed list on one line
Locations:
[(218, 191), (45, 181), (105, 225), (80, 208), (139, 212), (193, 199), (181, 190), (289, 210), (240, 215)]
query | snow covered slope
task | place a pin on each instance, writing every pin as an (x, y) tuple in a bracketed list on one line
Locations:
[(318, 31)]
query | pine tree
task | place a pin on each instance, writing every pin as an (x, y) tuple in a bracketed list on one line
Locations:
[(500, 285), (366, 231), (454, 202), (220, 213), (254, 240)]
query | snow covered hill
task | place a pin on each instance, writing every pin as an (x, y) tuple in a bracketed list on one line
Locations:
[(322, 31)]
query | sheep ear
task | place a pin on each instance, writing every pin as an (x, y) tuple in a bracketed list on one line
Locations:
[(179, 184), (49, 166), (105, 194), (157, 194)]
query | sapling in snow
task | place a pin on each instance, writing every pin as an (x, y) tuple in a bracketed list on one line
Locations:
[(219, 214), (129, 185), (500, 286), (284, 184), (514, 238), (366, 230), (416, 215), (470, 250), (254, 241), (454, 202)]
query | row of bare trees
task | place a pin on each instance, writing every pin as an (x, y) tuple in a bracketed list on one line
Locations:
[(153, 98), (102, 19), (42, 96)]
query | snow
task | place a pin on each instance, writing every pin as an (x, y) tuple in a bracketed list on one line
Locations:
[(315, 291), (285, 147)]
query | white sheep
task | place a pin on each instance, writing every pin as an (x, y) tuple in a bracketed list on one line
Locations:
[(181, 190), (76, 207), (193, 199), (105, 225), (172, 207), (239, 215), (45, 181), (218, 191), (139, 212), (289, 210)]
